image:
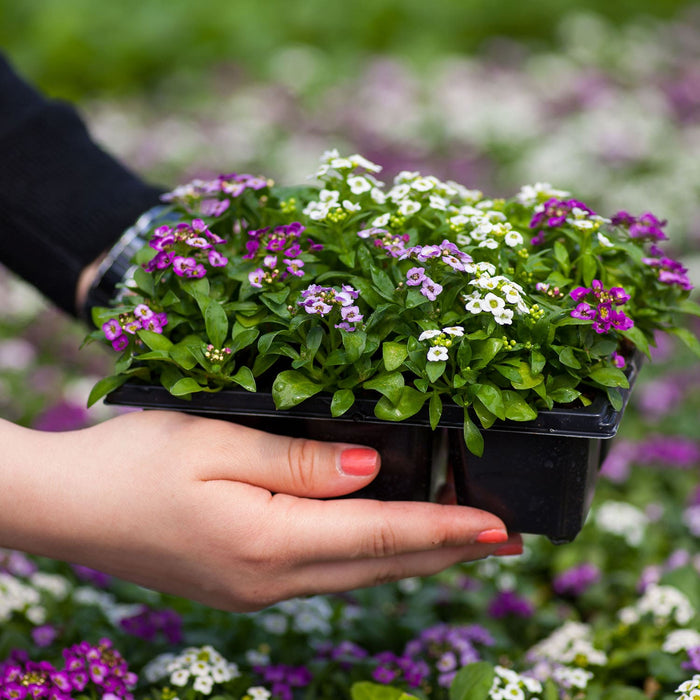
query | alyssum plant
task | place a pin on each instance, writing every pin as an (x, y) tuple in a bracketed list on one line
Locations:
[(418, 294)]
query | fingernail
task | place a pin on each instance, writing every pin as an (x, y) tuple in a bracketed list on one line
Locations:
[(508, 550), (358, 461), (491, 536)]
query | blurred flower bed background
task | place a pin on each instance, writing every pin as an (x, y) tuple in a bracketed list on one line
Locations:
[(586, 96)]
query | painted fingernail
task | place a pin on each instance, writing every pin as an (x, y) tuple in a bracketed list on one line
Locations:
[(358, 461), (508, 550), (494, 536)]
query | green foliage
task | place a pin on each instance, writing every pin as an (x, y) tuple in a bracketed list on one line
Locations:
[(424, 293)]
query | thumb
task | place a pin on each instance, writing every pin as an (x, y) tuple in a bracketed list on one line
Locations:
[(298, 466)]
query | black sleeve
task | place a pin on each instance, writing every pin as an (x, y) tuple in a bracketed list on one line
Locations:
[(63, 200)]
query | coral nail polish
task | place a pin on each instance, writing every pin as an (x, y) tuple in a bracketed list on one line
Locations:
[(494, 536), (508, 550), (358, 461)]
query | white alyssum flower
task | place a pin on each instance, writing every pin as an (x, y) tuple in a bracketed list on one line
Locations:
[(681, 640), (691, 518), (623, 519), (571, 643), (203, 667), (307, 615), (274, 623), (407, 207), (539, 192), (381, 221), (513, 239), (55, 584), (666, 605), (508, 684), (690, 688), (359, 184), (438, 353), (16, 596), (571, 677), (257, 692), (440, 341)]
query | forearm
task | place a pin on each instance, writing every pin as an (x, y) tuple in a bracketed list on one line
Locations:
[(64, 200)]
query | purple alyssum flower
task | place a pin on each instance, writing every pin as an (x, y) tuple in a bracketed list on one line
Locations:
[(646, 226), (509, 604), (576, 580), (595, 303), (553, 213), (149, 624)]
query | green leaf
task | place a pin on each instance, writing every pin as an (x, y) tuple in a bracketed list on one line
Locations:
[(609, 376), (637, 337), (383, 283), (527, 380), (483, 351), (435, 409), (183, 353), (472, 436), (290, 388), (492, 398), (473, 682), (393, 355), (516, 408), (589, 268), (537, 361), (342, 400), (244, 377), (216, 323), (366, 690), (486, 418), (144, 281), (564, 395), (409, 403), (184, 387), (354, 343), (155, 341), (243, 339), (434, 370), (568, 358), (103, 387), (390, 385), (561, 255), (688, 338)]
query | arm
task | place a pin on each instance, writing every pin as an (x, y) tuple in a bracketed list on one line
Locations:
[(220, 513), (64, 200)]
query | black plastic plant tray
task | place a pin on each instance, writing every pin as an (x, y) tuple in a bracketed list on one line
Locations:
[(538, 476)]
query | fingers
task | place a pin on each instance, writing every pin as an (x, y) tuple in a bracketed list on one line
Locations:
[(347, 575), (294, 466)]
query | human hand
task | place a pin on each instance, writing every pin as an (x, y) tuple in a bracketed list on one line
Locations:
[(223, 514)]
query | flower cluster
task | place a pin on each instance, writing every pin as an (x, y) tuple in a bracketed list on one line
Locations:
[(509, 684), (449, 648), (118, 330), (320, 300), (148, 624), (330, 289), (185, 247), (570, 644), (689, 689), (556, 212), (271, 244), (577, 579), (200, 668), (595, 303), (88, 669), (665, 604), (283, 679), (440, 341)]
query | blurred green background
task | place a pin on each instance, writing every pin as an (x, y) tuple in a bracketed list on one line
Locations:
[(80, 48)]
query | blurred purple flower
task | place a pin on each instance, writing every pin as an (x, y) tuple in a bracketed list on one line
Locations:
[(509, 604), (63, 415), (577, 579)]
